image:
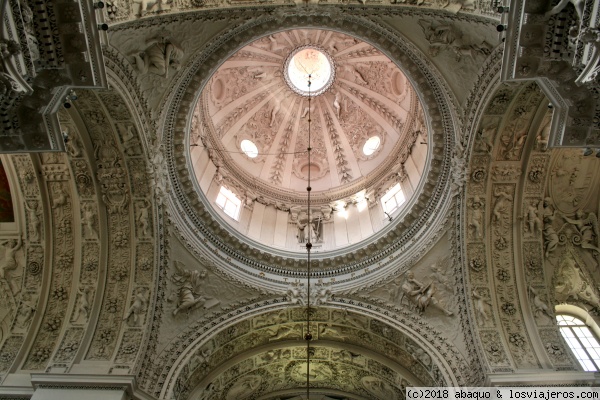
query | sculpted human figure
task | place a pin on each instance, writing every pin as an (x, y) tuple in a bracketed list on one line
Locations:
[(336, 104), (321, 294), (72, 143), (355, 73), (275, 110), (130, 142), (377, 387), (328, 329), (28, 308), (310, 232), (189, 282), (83, 305), (159, 55), (476, 220), (282, 331), (258, 73), (144, 219), (9, 263), (34, 219), (137, 307), (59, 198), (481, 307), (502, 199), (274, 45), (550, 235), (421, 295), (300, 235), (295, 295), (307, 109), (578, 4), (533, 219), (89, 215)]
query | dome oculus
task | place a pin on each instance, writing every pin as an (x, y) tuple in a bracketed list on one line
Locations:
[(305, 61), (371, 145), (249, 148)]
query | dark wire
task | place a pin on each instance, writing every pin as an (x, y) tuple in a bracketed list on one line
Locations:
[(308, 248)]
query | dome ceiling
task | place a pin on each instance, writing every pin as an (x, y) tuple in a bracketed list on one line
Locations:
[(361, 110)]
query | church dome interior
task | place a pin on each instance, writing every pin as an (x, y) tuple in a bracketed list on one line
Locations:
[(252, 121), (297, 200)]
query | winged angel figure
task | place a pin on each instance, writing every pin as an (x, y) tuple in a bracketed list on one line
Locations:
[(188, 294), (447, 37)]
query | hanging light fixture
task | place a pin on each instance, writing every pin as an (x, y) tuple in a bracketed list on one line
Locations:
[(308, 335)]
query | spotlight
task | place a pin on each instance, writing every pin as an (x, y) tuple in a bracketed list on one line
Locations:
[(103, 27), (72, 95), (98, 5), (598, 154), (550, 105), (67, 104), (501, 27), (65, 137), (502, 9), (588, 151)]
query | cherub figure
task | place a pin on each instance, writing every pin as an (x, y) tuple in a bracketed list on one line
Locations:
[(144, 219), (83, 305), (476, 220), (533, 219), (34, 219), (481, 307), (502, 199), (139, 305)]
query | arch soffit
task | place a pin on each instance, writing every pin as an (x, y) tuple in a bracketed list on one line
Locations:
[(387, 328), (508, 166)]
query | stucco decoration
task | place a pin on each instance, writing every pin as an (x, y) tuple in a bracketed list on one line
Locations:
[(557, 46), (243, 255), (515, 139), (250, 99), (135, 9), (336, 356)]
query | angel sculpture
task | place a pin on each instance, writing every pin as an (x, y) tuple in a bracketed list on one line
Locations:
[(189, 282)]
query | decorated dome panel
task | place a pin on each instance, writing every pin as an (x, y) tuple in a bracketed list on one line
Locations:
[(356, 94)]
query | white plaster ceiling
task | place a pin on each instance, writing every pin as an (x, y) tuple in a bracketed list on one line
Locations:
[(248, 99)]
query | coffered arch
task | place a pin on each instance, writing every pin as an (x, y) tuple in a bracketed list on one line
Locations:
[(350, 345)]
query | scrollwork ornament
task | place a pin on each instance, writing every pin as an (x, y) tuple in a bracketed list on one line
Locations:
[(478, 175), (34, 268)]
